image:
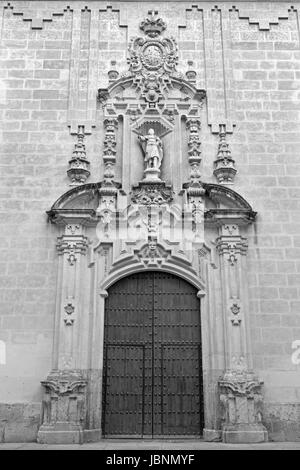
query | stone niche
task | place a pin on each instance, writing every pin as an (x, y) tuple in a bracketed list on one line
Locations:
[(151, 210)]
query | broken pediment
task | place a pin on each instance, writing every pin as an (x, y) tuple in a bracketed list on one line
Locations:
[(90, 200), (229, 205)]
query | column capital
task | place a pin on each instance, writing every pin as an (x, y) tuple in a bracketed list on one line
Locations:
[(63, 382), (230, 241), (231, 246), (71, 244)]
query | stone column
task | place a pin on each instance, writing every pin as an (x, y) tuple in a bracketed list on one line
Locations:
[(64, 403), (240, 390)]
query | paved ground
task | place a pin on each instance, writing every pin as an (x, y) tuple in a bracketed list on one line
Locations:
[(114, 444)]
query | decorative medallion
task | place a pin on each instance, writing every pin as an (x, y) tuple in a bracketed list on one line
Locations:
[(152, 59), (152, 56)]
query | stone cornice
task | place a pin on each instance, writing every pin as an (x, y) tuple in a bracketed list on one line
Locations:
[(80, 205), (235, 216)]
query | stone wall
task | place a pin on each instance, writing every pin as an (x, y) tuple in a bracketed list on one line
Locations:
[(19, 422), (54, 57)]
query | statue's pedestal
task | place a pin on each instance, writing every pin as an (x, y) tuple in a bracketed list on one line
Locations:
[(152, 175), (151, 192)]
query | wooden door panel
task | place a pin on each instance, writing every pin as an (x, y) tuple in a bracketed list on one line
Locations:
[(152, 368), (124, 385), (180, 390)]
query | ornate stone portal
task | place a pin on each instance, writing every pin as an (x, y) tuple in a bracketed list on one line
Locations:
[(155, 216)]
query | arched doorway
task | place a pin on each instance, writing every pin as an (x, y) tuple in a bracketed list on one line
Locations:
[(152, 380)]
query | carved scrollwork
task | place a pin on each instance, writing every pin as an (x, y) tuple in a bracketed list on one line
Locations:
[(240, 383), (64, 387), (152, 59), (151, 194)]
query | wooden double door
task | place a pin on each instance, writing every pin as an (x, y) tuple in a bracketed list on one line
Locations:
[(152, 382)]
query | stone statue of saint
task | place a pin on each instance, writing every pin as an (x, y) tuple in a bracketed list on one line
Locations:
[(152, 147)]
